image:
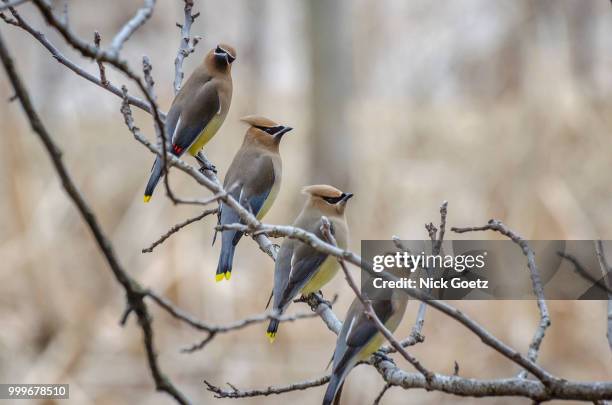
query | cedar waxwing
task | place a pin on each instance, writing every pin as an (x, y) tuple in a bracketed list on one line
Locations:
[(199, 108), (299, 267), (360, 338), (253, 179)]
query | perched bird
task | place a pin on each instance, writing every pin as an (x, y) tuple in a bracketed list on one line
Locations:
[(253, 179), (299, 267), (359, 338), (199, 109)]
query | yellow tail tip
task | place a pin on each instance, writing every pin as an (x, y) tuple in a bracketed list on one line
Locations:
[(271, 336), (219, 277), (228, 275), (147, 198)]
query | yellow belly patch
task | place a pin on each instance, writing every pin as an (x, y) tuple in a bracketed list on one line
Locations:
[(371, 347), (326, 272), (206, 135)]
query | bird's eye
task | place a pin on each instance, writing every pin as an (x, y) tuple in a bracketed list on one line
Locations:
[(269, 130), (219, 50), (333, 200), (274, 130)]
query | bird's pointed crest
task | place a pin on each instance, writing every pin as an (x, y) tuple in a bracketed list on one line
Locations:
[(322, 190), (258, 121)]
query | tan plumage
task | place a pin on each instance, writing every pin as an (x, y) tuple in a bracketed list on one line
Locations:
[(299, 268), (199, 108), (253, 179)]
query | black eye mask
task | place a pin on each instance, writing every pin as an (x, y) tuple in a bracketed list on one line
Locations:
[(334, 200), (270, 130), (220, 52)]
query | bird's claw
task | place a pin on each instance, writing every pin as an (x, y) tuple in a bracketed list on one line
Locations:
[(380, 356), (209, 167)]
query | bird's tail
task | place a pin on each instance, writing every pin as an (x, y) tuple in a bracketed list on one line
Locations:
[(224, 268), (272, 329), (334, 390), (229, 240), (156, 173)]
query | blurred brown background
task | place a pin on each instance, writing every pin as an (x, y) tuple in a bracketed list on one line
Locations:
[(502, 108)]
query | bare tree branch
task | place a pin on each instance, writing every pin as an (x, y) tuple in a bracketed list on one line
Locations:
[(134, 293), (381, 394), (40, 37), (243, 323), (177, 228), (471, 387), (584, 273), (139, 19), (538, 337), (101, 67), (234, 392), (184, 48), (65, 14), (7, 4), (437, 240), (323, 308), (91, 51), (465, 387), (213, 330)]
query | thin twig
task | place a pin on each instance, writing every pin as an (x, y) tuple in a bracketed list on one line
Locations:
[(40, 37), (91, 51), (243, 323), (14, 3), (160, 131), (416, 335), (184, 48), (584, 273), (139, 19), (65, 15), (213, 330), (381, 394), (178, 227), (7, 19), (538, 337), (101, 67), (234, 392)]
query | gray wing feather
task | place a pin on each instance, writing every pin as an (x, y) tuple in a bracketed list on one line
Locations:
[(295, 267), (195, 115), (282, 270), (302, 270), (358, 330)]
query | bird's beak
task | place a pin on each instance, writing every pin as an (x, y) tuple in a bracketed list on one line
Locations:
[(345, 197), (282, 132)]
